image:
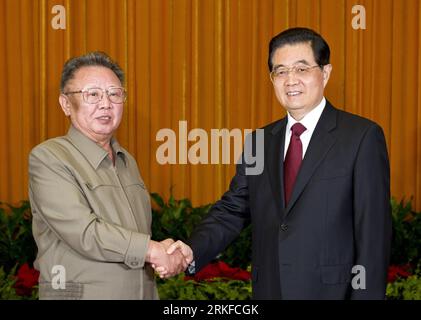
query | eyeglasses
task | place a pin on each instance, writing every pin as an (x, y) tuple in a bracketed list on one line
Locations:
[(95, 95), (282, 73)]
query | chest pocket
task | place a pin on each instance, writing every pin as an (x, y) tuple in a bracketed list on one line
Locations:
[(334, 174), (123, 201), (139, 197), (326, 172)]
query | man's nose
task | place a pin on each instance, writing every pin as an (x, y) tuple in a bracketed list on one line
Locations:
[(105, 102), (291, 78)]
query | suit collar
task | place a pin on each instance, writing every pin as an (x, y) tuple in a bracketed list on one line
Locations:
[(321, 142), (93, 152), (328, 118)]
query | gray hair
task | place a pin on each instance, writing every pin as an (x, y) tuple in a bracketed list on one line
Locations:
[(96, 58)]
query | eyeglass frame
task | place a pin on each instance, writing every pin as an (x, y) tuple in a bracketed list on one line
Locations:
[(102, 96), (293, 68)]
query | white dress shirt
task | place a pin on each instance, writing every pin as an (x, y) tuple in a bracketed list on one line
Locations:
[(309, 121)]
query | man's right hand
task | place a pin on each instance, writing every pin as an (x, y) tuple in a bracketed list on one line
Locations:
[(176, 248), (167, 265)]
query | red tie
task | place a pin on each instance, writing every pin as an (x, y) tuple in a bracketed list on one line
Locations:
[(293, 159)]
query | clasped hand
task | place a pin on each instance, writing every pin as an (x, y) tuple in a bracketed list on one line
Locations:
[(168, 257)]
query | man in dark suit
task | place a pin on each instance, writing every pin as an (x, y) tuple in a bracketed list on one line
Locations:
[(320, 211)]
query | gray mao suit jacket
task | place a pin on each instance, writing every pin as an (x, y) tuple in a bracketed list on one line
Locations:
[(91, 221)]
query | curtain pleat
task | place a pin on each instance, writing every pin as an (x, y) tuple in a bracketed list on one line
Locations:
[(205, 62)]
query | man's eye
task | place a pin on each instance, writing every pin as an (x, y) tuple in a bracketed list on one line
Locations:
[(301, 69), (93, 94)]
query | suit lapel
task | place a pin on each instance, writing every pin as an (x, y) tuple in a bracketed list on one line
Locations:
[(321, 142), (274, 156)]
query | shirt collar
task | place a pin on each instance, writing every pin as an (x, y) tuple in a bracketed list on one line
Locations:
[(93, 152), (310, 119)]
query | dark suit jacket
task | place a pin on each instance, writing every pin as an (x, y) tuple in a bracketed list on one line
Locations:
[(338, 216)]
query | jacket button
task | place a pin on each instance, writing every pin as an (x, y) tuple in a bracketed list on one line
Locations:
[(134, 263), (284, 227)]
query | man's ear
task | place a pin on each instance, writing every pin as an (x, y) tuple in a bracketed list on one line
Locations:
[(65, 104), (327, 69)]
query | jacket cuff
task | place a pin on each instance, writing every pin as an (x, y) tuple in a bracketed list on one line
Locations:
[(191, 269), (136, 252)]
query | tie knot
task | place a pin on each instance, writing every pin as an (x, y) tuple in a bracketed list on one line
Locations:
[(297, 129)]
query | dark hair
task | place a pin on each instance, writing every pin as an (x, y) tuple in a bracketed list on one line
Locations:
[(320, 47), (96, 58)]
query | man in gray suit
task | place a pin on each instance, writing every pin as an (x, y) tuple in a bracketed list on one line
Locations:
[(320, 210), (91, 210)]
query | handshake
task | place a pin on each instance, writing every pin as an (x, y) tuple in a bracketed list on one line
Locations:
[(169, 258)]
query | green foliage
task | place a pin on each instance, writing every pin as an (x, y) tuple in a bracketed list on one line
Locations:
[(405, 289), (406, 243), (176, 219), (7, 291), (177, 288), (17, 245), (7, 280)]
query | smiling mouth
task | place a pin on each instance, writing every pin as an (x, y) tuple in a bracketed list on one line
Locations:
[(293, 93)]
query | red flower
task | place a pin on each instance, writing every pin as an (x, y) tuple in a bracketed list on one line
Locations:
[(398, 271), (220, 270), (27, 278)]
